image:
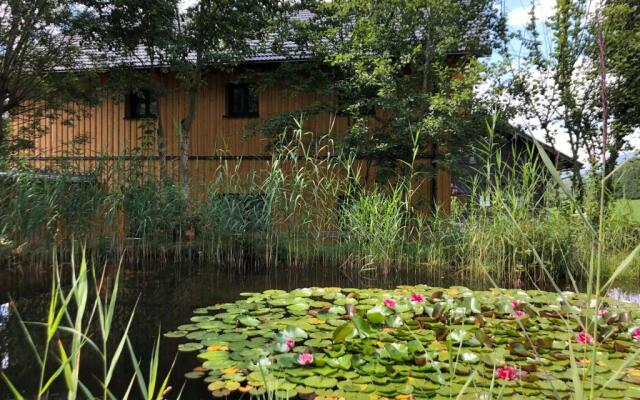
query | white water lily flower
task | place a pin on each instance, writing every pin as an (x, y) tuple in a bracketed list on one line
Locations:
[(264, 362), (459, 312)]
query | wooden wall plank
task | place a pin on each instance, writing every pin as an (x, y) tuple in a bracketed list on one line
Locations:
[(110, 134)]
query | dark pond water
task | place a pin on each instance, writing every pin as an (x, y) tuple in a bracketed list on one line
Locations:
[(166, 297)]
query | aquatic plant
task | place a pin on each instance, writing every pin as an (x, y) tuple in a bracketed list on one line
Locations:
[(507, 373), (75, 326), (455, 342)]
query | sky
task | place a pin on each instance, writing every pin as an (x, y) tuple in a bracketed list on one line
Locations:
[(518, 11)]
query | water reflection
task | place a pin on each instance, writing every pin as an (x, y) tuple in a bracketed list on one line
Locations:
[(625, 296), (4, 319)]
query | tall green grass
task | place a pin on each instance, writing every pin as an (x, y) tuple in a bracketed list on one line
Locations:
[(80, 324), (312, 204), (374, 225)]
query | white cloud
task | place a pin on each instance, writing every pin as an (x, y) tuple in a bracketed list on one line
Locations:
[(184, 4), (519, 17)]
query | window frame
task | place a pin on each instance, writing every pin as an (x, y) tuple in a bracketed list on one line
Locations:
[(230, 111), (135, 98)]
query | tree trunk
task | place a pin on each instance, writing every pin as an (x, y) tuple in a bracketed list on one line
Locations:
[(3, 127), (162, 148), (185, 130), (576, 178)]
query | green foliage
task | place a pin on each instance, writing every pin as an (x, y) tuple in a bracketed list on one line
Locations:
[(621, 26), (118, 27), (395, 68), (556, 87), (626, 180), (374, 223), (75, 314), (31, 89), (416, 341), (155, 210), (308, 208), (37, 210)]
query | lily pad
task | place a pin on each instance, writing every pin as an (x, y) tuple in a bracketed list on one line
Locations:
[(425, 343)]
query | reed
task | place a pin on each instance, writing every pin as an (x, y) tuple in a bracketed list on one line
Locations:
[(80, 324), (311, 205), (600, 236)]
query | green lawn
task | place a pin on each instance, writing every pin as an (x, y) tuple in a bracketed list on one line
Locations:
[(629, 208)]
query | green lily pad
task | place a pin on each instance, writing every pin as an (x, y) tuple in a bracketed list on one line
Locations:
[(320, 382), (332, 343)]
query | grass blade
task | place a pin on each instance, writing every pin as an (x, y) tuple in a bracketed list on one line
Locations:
[(556, 177), (138, 372), (622, 267), (11, 387), (27, 334), (68, 376), (118, 352)]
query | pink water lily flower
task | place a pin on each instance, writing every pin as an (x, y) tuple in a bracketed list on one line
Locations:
[(507, 373), (305, 359), (584, 338), (516, 303), (416, 298), (290, 343), (390, 303), (518, 314), (635, 333)]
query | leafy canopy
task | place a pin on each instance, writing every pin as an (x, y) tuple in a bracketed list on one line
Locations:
[(396, 68)]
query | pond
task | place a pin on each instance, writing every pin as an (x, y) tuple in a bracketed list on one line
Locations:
[(167, 297)]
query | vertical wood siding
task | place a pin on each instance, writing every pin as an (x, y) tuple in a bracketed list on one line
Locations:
[(99, 134)]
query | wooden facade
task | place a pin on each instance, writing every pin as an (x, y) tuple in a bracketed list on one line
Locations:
[(103, 133)]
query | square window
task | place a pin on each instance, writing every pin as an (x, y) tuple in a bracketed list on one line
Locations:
[(141, 104), (242, 101)]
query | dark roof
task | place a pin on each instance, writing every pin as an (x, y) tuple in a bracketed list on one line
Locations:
[(265, 52), (563, 160), (139, 58)]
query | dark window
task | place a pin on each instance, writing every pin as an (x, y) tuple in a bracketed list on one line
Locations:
[(242, 100), (141, 104)]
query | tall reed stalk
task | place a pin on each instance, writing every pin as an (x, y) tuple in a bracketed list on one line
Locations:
[(586, 318), (76, 309), (310, 204)]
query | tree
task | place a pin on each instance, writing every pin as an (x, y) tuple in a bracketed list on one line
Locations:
[(210, 35), (621, 29), (37, 42), (123, 31), (626, 180), (557, 89), (397, 67)]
